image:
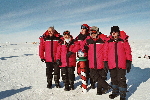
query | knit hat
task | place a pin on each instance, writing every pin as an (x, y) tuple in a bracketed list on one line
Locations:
[(115, 29), (85, 26), (94, 28)]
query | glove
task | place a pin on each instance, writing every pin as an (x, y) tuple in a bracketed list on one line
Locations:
[(128, 65), (86, 47), (58, 62), (69, 54), (43, 60), (106, 66)]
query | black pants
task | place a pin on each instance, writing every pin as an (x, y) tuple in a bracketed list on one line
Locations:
[(99, 75), (67, 74), (52, 69), (118, 77)]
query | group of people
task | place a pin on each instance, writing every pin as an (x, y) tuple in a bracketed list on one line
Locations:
[(104, 53)]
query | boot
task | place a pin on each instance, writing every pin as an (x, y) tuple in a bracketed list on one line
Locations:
[(56, 78), (115, 92), (71, 84), (67, 87), (49, 81), (122, 93), (104, 91), (99, 91)]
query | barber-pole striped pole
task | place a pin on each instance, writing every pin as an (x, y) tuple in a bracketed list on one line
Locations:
[(83, 76)]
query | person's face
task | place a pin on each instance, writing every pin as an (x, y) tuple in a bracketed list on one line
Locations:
[(66, 36), (93, 34), (83, 31), (115, 34), (51, 32)]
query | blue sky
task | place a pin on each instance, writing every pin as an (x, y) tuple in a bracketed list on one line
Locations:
[(26, 20)]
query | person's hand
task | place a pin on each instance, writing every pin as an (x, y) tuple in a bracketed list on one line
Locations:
[(128, 65), (58, 62), (43, 60)]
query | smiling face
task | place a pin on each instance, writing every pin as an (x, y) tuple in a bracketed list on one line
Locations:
[(115, 34), (83, 31), (66, 36), (93, 33), (51, 31)]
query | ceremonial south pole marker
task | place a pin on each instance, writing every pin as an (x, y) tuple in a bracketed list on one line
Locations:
[(82, 66)]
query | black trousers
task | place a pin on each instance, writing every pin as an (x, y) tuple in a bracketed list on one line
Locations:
[(118, 77), (99, 75), (52, 69), (67, 74)]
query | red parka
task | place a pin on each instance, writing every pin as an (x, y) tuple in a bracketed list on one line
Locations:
[(62, 50), (116, 53), (48, 46), (96, 51)]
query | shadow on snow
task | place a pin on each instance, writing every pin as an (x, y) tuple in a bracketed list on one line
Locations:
[(135, 78), (4, 58), (8, 93)]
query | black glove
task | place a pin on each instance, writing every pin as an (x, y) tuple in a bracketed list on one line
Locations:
[(106, 66), (69, 54), (128, 65), (58, 62), (86, 47), (43, 60)]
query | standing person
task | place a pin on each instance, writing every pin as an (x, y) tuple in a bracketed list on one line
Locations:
[(118, 60), (95, 46), (67, 63), (47, 52), (80, 46)]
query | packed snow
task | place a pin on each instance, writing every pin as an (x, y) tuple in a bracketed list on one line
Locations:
[(22, 76)]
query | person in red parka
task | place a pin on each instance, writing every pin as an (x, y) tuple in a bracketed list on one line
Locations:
[(118, 59), (47, 52), (65, 62), (95, 46), (80, 46)]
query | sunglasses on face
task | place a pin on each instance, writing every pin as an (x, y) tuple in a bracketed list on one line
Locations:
[(83, 27), (93, 32)]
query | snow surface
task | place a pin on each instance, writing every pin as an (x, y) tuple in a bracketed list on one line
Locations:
[(22, 76)]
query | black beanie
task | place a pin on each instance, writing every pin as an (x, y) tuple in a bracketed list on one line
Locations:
[(115, 29)]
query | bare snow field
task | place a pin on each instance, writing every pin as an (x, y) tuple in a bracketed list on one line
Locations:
[(22, 76)]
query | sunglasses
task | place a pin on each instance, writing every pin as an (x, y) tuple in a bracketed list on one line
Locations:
[(83, 27), (93, 32)]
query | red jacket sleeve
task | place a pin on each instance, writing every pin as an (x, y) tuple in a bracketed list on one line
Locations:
[(41, 48), (106, 51), (58, 54), (76, 47), (128, 51)]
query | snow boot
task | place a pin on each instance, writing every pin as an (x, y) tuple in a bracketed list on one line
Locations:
[(71, 84), (67, 87), (122, 93), (115, 92), (56, 78), (49, 81), (105, 90), (99, 91)]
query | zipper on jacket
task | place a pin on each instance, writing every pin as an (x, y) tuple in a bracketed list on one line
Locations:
[(67, 58), (52, 55), (95, 61), (116, 55)]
